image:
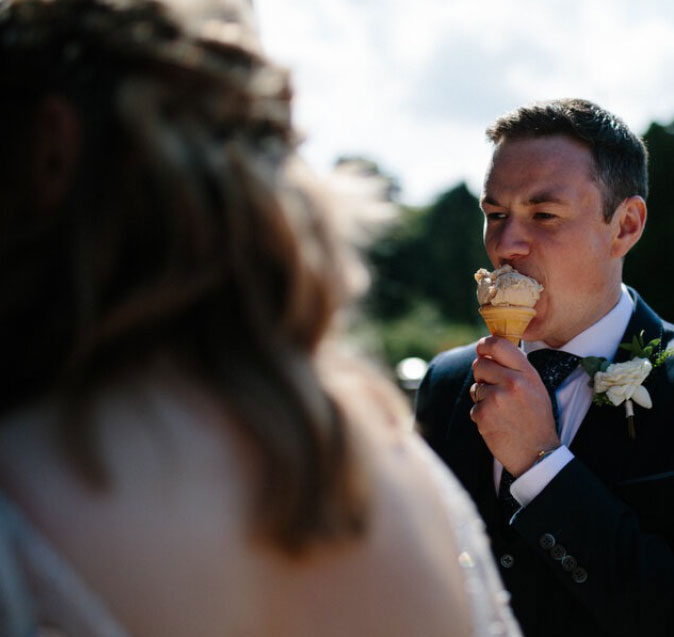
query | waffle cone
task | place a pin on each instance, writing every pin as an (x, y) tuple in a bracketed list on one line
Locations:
[(509, 321)]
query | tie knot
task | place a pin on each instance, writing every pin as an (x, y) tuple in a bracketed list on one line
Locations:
[(553, 366)]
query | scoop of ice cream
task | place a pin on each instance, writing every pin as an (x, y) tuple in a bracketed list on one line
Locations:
[(506, 286)]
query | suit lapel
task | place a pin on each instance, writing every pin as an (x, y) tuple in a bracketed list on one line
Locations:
[(602, 442)]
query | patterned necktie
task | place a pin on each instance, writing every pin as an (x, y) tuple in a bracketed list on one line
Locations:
[(553, 366)]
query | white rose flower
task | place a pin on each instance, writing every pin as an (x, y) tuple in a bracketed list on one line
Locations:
[(622, 381)]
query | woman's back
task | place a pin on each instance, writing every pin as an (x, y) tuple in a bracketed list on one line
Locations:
[(169, 548)]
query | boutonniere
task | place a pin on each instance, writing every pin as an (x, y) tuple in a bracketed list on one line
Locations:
[(615, 383)]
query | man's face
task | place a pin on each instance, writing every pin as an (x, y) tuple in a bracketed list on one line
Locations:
[(543, 216)]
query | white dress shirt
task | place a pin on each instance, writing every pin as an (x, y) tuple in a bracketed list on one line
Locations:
[(574, 396)]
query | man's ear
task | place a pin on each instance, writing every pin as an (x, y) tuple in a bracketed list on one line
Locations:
[(57, 141), (629, 220)]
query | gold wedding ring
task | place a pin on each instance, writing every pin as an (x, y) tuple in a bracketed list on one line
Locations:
[(477, 392)]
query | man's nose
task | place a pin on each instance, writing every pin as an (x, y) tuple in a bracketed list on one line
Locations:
[(512, 240)]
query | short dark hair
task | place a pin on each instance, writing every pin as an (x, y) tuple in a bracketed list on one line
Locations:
[(620, 156)]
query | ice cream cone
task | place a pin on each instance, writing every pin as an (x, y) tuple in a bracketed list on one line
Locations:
[(509, 321)]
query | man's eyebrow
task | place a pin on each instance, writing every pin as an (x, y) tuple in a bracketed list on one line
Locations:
[(489, 201), (544, 196)]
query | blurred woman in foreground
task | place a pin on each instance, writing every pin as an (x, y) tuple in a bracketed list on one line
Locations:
[(185, 449)]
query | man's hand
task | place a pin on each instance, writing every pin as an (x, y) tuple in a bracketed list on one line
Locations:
[(514, 414)]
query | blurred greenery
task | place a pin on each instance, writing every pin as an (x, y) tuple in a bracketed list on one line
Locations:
[(423, 331), (429, 255), (422, 299), (646, 266)]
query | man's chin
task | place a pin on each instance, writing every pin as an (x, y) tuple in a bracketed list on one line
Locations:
[(533, 331), (540, 334)]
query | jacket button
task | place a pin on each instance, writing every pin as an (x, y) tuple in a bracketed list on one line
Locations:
[(507, 560), (557, 552), (569, 563), (579, 575), (547, 541)]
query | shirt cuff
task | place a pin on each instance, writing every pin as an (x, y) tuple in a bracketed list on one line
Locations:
[(533, 481)]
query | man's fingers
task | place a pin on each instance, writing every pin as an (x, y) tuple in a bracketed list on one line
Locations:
[(487, 370), (502, 351)]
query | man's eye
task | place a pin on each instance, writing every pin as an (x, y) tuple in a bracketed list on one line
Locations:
[(544, 215), (495, 216)]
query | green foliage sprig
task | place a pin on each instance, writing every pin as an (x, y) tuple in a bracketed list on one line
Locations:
[(639, 350)]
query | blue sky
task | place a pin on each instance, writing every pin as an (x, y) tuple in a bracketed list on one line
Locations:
[(412, 85)]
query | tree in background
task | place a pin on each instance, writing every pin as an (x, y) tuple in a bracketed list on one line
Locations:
[(430, 256), (369, 168), (422, 299), (648, 266), (455, 252)]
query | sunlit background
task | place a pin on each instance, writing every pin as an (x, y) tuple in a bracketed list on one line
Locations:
[(412, 85)]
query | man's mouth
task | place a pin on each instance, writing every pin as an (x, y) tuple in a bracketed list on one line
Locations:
[(521, 269)]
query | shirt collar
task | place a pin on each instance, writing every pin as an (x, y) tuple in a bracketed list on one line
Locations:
[(601, 338)]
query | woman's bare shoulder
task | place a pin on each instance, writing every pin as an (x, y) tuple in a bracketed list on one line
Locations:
[(173, 528)]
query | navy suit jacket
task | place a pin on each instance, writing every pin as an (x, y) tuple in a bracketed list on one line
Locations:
[(593, 554)]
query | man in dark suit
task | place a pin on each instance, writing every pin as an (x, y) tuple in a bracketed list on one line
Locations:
[(587, 547)]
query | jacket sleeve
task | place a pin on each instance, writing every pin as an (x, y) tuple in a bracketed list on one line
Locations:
[(593, 543)]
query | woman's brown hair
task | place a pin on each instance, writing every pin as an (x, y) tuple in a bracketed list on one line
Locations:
[(190, 228)]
